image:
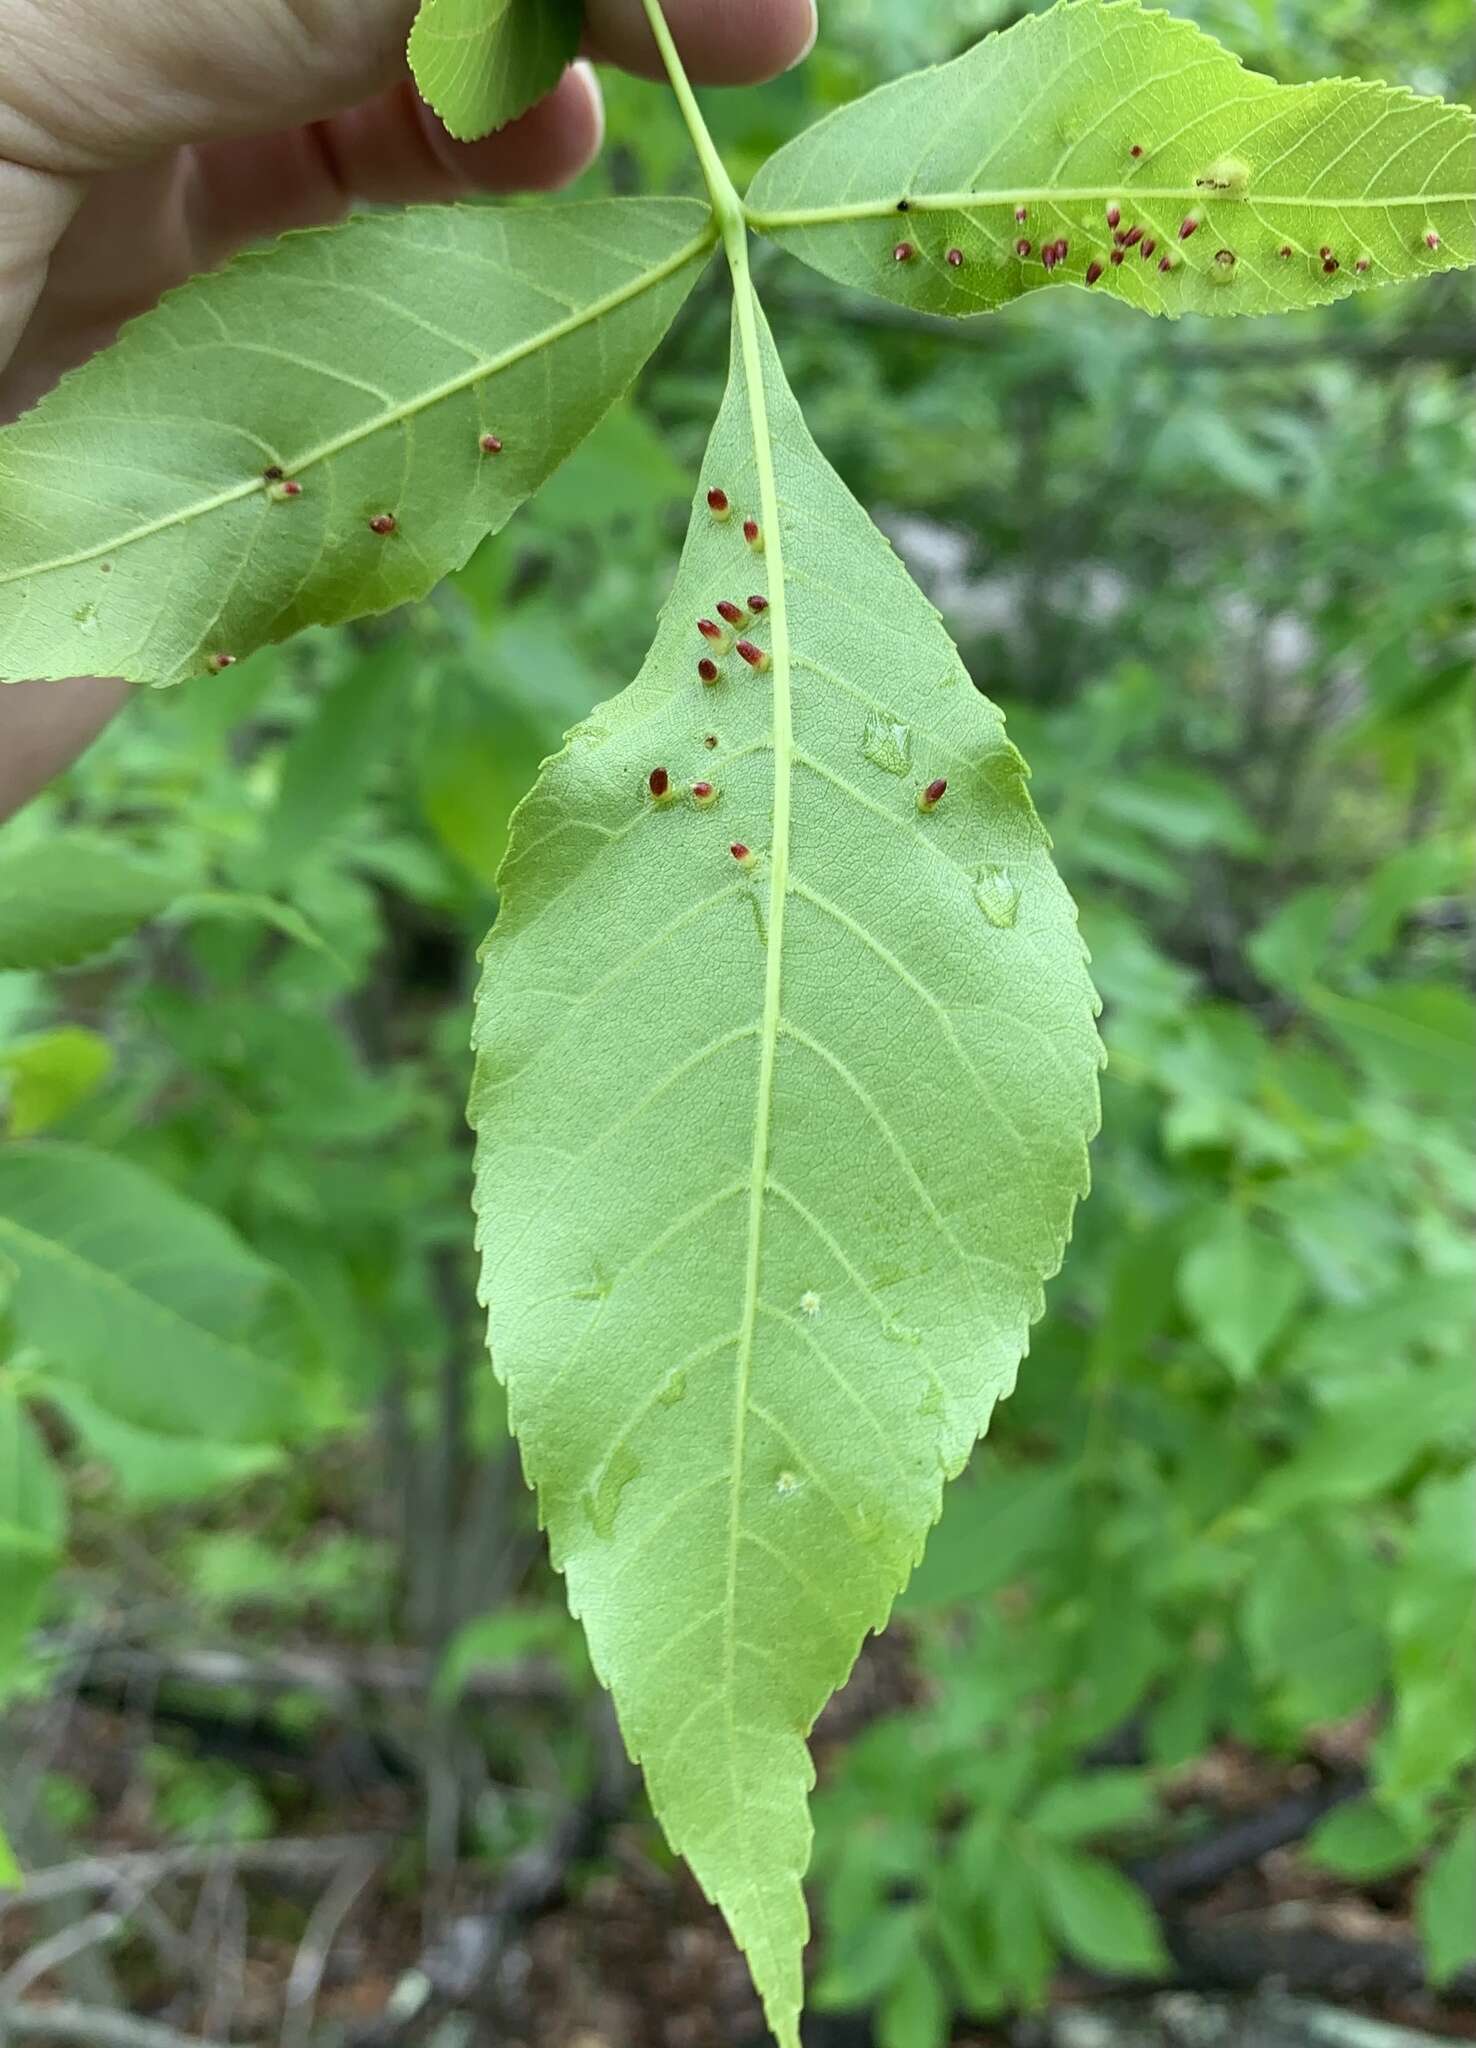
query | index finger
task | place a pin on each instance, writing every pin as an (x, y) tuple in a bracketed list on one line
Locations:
[(722, 42)]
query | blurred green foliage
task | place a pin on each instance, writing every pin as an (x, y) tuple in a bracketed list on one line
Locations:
[(1221, 586)]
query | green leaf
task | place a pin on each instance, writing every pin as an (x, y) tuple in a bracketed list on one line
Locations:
[(1360, 1840), (64, 899), (1313, 1622), (914, 2014), (32, 1527), (481, 63), (1240, 1286), (48, 1073), (1098, 1915), (154, 1469), (1103, 1803), (773, 1159), (150, 1305), (365, 363), (11, 1878), (1445, 1906), (328, 767), (1099, 104)]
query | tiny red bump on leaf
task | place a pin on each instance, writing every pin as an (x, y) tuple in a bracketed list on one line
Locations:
[(1324, 252), (753, 534), (1330, 266), (1284, 252), (754, 656), (903, 253), (1120, 237), (1093, 272), (219, 661), (291, 488), (1432, 238), (933, 795), (710, 629), (703, 793), (954, 259), (383, 522), (1136, 150), (659, 783), (717, 504), (1022, 247), (711, 740), (1048, 255), (1116, 256), (1167, 263), (741, 854), (1022, 214), (733, 613), (1188, 225), (758, 604), (1148, 248), (1132, 238), (1114, 213), (1362, 264), (707, 669), (490, 445)]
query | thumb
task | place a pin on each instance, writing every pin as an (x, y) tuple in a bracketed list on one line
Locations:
[(93, 86)]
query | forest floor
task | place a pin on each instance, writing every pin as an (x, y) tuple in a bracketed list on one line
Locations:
[(326, 1932)]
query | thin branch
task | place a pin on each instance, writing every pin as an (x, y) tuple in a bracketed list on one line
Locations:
[(325, 1923), (342, 1679), (142, 1869), (93, 2026), (48, 1955)]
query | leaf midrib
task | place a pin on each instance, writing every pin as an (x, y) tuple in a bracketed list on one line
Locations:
[(1071, 195), (598, 309), (746, 307)]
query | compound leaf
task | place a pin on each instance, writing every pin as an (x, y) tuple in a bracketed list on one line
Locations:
[(481, 63), (355, 369), (775, 1150), (1037, 137)]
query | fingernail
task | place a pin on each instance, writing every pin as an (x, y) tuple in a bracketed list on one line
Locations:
[(588, 77), (811, 37)]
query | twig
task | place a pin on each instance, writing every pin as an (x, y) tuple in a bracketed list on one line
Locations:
[(1197, 1867), (45, 1956), (94, 2027), (342, 1679), (146, 1868), (325, 1923)]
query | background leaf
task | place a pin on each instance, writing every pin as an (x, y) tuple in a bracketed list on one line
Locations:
[(1240, 1286), (65, 898), (364, 363), (149, 1304), (1099, 1915), (1099, 104), (481, 63), (756, 1276)]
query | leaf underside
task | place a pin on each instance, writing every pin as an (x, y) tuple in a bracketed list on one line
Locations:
[(146, 533), (1100, 103), (772, 1162), (481, 63)]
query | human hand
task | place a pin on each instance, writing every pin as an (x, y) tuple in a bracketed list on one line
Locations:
[(142, 141)]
